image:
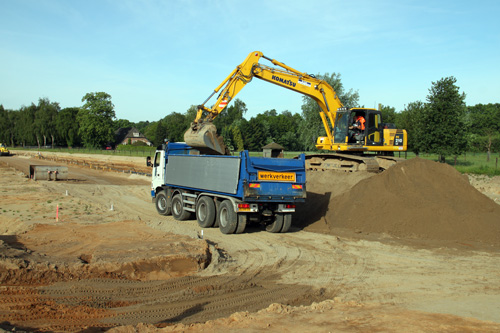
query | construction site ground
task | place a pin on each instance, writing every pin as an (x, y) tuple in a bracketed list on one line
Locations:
[(413, 249)]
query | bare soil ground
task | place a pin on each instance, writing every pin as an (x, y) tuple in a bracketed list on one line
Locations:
[(412, 249)]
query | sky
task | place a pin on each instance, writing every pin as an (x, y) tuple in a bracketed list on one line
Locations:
[(158, 57)]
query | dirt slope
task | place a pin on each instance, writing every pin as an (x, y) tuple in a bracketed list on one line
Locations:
[(416, 199)]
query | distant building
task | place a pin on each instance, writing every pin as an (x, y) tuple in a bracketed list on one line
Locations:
[(273, 150), (130, 135)]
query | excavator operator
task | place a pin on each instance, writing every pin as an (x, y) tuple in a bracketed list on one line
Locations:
[(357, 128)]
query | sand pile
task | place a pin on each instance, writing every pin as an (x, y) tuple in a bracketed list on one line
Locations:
[(415, 199)]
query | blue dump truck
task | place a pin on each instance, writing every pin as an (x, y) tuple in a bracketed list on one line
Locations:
[(228, 192)]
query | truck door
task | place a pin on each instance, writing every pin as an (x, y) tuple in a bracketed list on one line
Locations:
[(158, 172)]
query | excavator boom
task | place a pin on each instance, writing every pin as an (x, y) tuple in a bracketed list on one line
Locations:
[(203, 135)]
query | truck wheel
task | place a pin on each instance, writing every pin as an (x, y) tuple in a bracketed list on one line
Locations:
[(178, 211), (277, 225), (162, 204), (205, 212), (242, 223), (227, 218), (287, 222)]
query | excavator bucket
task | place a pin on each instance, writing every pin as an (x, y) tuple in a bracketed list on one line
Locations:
[(204, 138)]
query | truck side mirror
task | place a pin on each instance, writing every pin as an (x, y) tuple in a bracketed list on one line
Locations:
[(148, 161)]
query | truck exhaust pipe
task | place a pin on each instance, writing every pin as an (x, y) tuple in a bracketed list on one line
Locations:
[(203, 137)]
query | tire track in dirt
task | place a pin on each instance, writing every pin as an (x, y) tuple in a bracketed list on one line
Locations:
[(187, 299), (292, 258), (286, 258)]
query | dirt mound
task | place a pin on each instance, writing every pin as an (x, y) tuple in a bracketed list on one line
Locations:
[(415, 199), (322, 186)]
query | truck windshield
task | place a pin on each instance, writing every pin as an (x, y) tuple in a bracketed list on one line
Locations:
[(341, 127)]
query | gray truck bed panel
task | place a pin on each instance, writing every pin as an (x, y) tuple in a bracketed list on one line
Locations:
[(209, 173)]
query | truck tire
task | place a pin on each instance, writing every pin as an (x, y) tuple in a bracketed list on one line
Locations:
[(277, 225), (205, 212), (178, 211), (287, 222), (163, 206), (227, 218), (242, 223)]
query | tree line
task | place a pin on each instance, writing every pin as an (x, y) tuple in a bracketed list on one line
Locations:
[(443, 124)]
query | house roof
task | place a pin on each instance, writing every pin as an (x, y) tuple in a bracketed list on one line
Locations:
[(127, 132), (273, 145)]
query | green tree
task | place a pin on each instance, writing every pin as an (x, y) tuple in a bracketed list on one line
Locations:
[(45, 120), (410, 119), (13, 121), (160, 134), (122, 123), (388, 114), (176, 125), (142, 125), (67, 126), (282, 128), (443, 120), (232, 113), (238, 145), (484, 121), (312, 127), (254, 134), (96, 119), (227, 136), (25, 132), (232, 135), (4, 126), (190, 114)]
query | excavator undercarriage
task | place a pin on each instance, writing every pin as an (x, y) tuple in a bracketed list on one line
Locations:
[(349, 163)]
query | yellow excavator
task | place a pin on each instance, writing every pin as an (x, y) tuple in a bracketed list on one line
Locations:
[(3, 150), (371, 148)]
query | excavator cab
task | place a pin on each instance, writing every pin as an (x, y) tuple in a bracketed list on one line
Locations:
[(370, 136), (344, 119)]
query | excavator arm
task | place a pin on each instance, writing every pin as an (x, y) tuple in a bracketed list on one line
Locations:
[(203, 134)]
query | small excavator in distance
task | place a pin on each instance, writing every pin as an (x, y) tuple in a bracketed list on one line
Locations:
[(3, 150), (372, 150)]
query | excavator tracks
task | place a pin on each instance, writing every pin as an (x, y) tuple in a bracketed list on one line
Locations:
[(349, 163)]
